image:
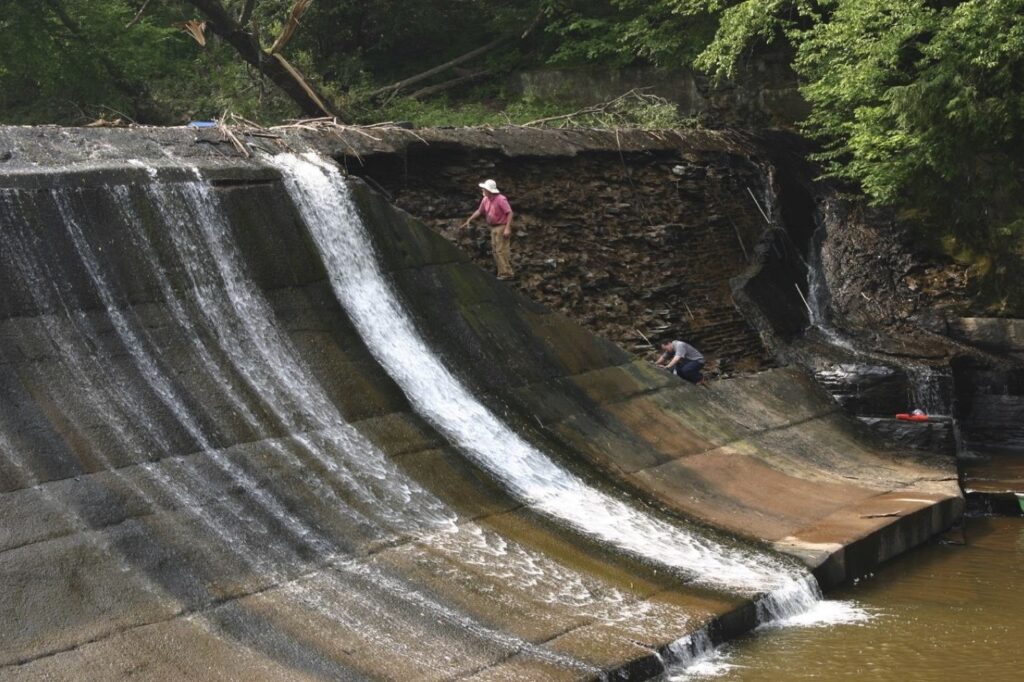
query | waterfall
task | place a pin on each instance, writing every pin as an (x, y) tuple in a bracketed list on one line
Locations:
[(322, 197), (225, 328), (228, 302), (930, 389), (817, 286), (819, 299)]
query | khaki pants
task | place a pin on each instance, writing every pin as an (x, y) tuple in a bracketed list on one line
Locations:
[(501, 246)]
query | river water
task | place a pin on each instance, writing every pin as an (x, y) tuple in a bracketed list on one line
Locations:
[(942, 612)]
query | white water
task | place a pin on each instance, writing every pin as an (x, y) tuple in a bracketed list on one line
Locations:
[(928, 389), (695, 657), (223, 301), (322, 197), (228, 300)]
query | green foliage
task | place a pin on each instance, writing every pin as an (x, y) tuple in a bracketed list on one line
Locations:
[(666, 33), (917, 103), (78, 63), (920, 104), (151, 71)]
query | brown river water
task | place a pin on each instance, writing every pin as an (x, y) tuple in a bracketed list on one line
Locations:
[(941, 612)]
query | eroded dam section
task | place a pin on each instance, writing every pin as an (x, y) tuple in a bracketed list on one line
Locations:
[(258, 423)]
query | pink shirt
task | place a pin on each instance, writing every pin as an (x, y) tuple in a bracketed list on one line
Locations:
[(496, 208)]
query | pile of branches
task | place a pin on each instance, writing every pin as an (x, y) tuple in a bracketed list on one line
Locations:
[(234, 129), (637, 108)]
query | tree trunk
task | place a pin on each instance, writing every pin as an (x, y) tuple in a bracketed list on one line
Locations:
[(432, 90), (282, 74), (441, 68)]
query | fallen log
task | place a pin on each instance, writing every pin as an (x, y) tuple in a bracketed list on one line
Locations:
[(431, 90), (412, 80)]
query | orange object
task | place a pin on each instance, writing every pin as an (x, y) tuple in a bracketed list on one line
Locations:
[(903, 416)]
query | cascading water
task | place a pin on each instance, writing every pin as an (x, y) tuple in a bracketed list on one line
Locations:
[(818, 296), (322, 197), (179, 384), (226, 302), (222, 321), (930, 389)]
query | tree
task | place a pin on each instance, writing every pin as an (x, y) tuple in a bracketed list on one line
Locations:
[(72, 60), (918, 104), (269, 62), (666, 33)]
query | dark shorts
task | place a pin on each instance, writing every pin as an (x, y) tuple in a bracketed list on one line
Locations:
[(689, 370)]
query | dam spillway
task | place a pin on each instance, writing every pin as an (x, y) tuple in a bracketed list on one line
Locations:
[(219, 459)]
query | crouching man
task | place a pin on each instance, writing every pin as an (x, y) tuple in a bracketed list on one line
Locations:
[(683, 360)]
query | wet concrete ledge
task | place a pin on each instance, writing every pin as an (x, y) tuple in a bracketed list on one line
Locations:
[(33, 148)]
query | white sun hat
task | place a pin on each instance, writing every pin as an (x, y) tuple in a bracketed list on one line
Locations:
[(489, 185)]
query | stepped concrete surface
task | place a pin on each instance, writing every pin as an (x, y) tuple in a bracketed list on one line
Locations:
[(206, 474)]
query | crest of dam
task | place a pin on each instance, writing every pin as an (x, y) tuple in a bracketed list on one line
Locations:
[(255, 422)]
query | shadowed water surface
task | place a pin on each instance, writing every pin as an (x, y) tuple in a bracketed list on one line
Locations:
[(944, 612)]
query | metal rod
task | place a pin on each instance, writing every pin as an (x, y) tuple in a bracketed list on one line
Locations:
[(758, 204), (745, 256), (808, 305)]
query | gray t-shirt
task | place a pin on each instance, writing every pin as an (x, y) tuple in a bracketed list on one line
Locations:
[(686, 351)]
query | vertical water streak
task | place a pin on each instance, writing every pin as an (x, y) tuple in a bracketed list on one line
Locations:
[(930, 389), (112, 399), (133, 337), (682, 655), (229, 343), (322, 198), (244, 323)]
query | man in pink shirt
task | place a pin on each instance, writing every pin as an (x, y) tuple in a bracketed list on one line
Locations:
[(495, 207)]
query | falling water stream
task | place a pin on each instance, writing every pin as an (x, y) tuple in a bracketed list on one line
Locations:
[(370, 300), (232, 333), (160, 448)]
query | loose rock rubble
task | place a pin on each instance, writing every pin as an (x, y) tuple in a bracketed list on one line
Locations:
[(625, 244)]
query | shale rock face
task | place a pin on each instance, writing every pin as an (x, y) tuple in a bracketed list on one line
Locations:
[(877, 281), (621, 242)]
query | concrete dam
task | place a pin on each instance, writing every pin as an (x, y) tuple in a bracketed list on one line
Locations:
[(257, 423)]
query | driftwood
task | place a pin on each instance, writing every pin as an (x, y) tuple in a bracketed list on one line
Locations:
[(608, 114), (195, 28), (298, 9), (303, 83)]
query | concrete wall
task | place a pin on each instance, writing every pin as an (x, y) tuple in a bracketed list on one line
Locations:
[(170, 509)]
